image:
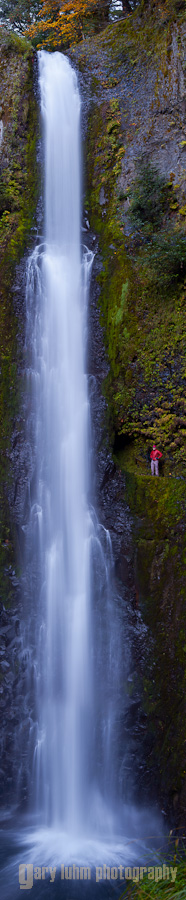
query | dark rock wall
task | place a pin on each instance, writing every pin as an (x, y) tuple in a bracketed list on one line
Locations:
[(136, 97), (18, 200), (107, 493), (137, 114)]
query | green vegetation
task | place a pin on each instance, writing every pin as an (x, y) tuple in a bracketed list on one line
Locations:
[(158, 507), (18, 197), (165, 889), (150, 197), (165, 260), (140, 219), (164, 257), (137, 206)]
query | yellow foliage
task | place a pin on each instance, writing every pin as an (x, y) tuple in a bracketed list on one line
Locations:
[(60, 23)]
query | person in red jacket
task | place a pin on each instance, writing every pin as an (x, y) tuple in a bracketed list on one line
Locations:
[(155, 456)]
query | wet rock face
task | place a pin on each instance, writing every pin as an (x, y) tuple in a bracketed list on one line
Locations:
[(18, 200), (159, 571), (135, 102), (146, 520), (10, 643), (109, 498), (157, 118)]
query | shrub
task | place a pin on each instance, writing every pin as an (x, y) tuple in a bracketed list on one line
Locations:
[(150, 197), (166, 258)]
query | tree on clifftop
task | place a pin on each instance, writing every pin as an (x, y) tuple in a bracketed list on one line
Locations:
[(19, 13), (63, 22)]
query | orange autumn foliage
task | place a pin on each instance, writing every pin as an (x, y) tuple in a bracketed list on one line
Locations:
[(59, 24)]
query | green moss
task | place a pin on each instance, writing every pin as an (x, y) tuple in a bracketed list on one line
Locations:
[(12, 44), (143, 313), (104, 158), (147, 353), (158, 507), (18, 198)]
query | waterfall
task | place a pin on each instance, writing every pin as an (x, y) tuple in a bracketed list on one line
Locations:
[(73, 741), (75, 829), (73, 619)]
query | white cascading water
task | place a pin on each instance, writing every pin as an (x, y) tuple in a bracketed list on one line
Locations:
[(77, 666), (70, 752)]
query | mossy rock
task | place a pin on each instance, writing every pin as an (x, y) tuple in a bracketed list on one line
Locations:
[(19, 187)]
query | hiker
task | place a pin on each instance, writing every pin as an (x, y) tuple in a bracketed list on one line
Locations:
[(155, 456)]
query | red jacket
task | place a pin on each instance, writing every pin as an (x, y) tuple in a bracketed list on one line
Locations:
[(155, 454)]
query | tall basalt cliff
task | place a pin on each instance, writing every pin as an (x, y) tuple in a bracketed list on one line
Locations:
[(132, 80), (18, 200)]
